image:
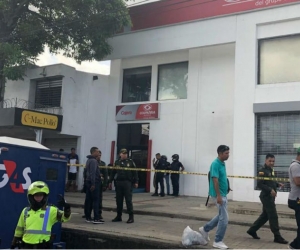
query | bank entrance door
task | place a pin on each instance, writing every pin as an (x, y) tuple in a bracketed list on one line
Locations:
[(134, 137)]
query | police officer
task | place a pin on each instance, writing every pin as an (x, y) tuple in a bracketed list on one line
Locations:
[(124, 181), (176, 165), (35, 223), (267, 197), (161, 165)]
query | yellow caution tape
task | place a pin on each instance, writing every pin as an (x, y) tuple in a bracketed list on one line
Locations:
[(188, 173)]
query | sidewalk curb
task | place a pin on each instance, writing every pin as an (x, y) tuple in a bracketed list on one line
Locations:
[(182, 216)]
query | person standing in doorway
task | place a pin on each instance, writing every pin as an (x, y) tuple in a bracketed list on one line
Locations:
[(267, 196), (72, 170), (162, 165), (167, 176), (176, 165), (124, 179), (155, 163), (93, 179), (218, 189), (294, 196)]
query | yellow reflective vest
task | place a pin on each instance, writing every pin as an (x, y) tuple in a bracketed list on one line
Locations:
[(34, 227)]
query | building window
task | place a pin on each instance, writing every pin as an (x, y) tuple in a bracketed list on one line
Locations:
[(279, 60), (136, 85), (48, 92), (278, 134), (172, 81)]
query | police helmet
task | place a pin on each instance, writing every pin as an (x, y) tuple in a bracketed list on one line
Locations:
[(175, 157), (163, 157), (36, 188)]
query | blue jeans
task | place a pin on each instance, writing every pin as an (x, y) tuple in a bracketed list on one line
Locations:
[(167, 177), (221, 220)]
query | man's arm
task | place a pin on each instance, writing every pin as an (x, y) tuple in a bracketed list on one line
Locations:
[(93, 169), (112, 174), (216, 186), (105, 175), (295, 171), (77, 162), (182, 167), (135, 174), (261, 183)]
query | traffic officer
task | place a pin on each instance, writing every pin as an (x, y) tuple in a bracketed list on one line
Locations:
[(161, 165), (124, 181), (176, 165), (267, 197), (35, 223)]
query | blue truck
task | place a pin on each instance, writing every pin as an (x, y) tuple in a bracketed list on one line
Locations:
[(21, 163)]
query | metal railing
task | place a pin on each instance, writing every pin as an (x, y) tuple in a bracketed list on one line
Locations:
[(23, 104)]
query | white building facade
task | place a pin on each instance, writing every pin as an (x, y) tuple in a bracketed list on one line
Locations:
[(228, 78), (242, 89)]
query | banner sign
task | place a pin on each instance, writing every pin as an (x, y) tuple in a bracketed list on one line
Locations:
[(149, 111), (177, 11), (24, 117)]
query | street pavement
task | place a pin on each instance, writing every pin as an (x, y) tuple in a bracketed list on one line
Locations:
[(164, 218)]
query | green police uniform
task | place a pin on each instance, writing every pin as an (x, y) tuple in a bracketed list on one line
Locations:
[(124, 180), (269, 208)]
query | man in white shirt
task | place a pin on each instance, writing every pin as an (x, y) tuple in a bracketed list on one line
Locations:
[(72, 170), (294, 196)]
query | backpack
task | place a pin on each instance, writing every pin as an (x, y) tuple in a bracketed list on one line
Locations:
[(228, 183)]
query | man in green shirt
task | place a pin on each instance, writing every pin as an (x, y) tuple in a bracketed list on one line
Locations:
[(218, 189)]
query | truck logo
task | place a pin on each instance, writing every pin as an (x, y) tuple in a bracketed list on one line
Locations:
[(11, 176)]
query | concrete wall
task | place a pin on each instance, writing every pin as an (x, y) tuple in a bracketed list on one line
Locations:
[(192, 128), (222, 89), (84, 103)]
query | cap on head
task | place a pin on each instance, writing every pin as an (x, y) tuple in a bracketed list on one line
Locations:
[(123, 151)]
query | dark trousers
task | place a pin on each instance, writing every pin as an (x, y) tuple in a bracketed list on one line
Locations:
[(296, 207), (269, 213), (92, 201), (100, 199), (160, 179), (124, 190), (175, 183)]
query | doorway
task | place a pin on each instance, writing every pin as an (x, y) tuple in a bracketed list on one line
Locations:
[(135, 137)]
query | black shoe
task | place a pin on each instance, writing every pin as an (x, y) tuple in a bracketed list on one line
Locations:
[(117, 219), (88, 220), (83, 216), (130, 220), (154, 194), (169, 194), (98, 221), (175, 195), (290, 247), (162, 195), (280, 240), (253, 234)]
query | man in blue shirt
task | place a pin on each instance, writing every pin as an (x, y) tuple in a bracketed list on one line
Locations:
[(218, 189)]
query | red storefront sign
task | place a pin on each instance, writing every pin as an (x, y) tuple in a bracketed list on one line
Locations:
[(149, 111), (167, 12)]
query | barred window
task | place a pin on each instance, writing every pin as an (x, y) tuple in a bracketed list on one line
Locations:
[(48, 92), (278, 134)]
